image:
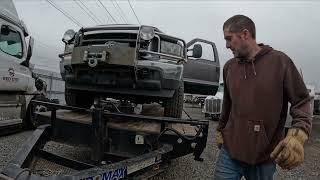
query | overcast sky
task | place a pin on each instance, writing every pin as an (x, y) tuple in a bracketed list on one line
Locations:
[(289, 26)]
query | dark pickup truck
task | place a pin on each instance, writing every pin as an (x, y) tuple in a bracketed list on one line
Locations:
[(140, 64)]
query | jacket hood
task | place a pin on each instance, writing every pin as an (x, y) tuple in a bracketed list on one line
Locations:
[(265, 49)]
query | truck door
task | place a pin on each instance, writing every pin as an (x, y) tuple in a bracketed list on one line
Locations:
[(201, 75), (13, 76)]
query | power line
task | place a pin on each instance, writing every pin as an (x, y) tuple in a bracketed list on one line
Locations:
[(65, 13), (93, 15), (118, 11), (93, 20), (122, 11), (107, 12), (134, 12)]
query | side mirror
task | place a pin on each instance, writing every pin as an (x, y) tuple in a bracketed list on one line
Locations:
[(30, 49), (25, 29), (29, 53), (197, 51), (68, 36)]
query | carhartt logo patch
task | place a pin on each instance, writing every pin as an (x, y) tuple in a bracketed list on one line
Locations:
[(256, 128)]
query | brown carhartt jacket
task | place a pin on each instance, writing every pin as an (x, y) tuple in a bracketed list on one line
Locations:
[(255, 104)]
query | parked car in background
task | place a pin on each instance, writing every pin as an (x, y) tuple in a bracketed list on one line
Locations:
[(213, 104), (187, 98)]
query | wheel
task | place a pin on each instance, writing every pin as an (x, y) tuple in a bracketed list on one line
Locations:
[(30, 120), (23, 114), (173, 107), (78, 99)]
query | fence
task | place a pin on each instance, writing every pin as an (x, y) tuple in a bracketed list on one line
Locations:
[(55, 84)]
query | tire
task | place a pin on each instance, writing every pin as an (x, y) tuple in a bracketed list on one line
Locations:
[(78, 99), (23, 114), (69, 97), (173, 107), (30, 120)]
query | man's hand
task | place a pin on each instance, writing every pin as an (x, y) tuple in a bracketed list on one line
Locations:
[(289, 153), (219, 139)]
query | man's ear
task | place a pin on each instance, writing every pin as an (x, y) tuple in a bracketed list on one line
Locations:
[(246, 34)]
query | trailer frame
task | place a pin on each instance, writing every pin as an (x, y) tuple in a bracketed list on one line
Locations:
[(170, 144)]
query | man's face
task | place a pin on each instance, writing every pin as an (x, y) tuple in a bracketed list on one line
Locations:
[(236, 42)]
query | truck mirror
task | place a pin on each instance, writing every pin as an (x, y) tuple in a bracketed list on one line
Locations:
[(29, 53), (30, 49), (25, 30), (197, 51), (68, 36)]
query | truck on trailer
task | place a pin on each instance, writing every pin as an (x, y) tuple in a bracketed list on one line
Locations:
[(136, 63)]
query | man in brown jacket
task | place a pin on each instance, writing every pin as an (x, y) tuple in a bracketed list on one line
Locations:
[(259, 82)]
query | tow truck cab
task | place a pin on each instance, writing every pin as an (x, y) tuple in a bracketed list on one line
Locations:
[(15, 74)]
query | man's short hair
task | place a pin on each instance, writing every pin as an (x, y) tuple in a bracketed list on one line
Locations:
[(238, 23)]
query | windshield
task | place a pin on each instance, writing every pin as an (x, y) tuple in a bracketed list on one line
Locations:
[(10, 42)]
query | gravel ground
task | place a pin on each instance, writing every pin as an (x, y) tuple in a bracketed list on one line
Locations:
[(185, 167), (10, 144)]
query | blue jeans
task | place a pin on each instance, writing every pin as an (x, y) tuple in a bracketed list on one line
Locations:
[(230, 169)]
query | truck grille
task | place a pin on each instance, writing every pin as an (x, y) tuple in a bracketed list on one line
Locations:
[(212, 105), (102, 38)]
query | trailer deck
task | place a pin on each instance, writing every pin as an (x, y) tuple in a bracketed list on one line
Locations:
[(129, 125), (122, 145)]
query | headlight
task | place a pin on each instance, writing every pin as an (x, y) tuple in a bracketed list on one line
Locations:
[(68, 36), (147, 33)]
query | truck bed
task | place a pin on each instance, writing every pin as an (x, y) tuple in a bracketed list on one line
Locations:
[(139, 126)]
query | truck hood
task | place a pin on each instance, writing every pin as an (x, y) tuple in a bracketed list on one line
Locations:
[(115, 27)]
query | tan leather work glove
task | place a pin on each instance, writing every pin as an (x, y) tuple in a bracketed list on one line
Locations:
[(289, 153), (219, 139)]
